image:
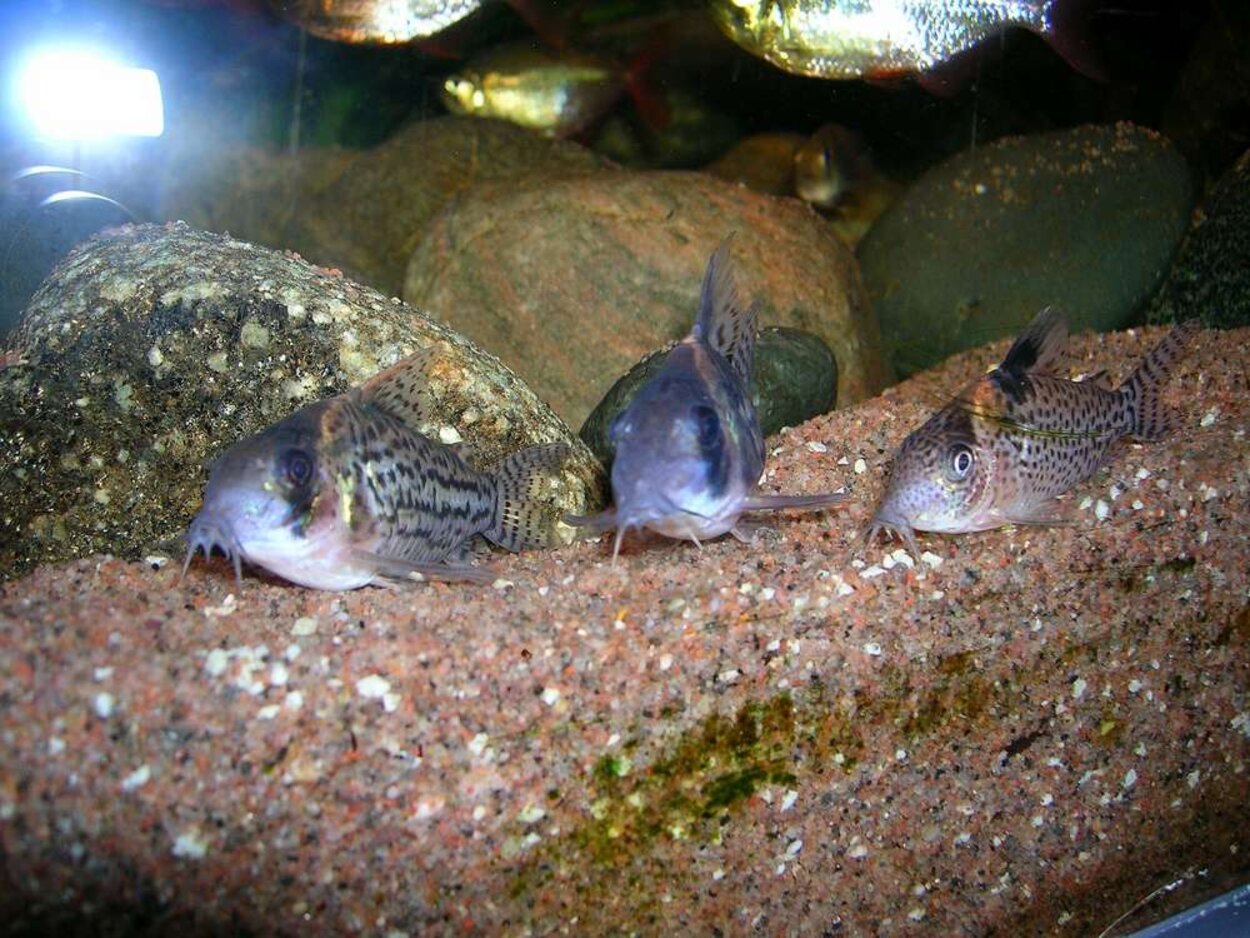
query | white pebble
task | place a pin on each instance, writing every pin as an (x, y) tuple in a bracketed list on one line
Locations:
[(872, 648), (1101, 510), (932, 559), (550, 696), (817, 447), (373, 686), (190, 844), (136, 779), (869, 572), (103, 705), (1130, 778), (1208, 418), (1078, 688), (791, 797), (860, 467), (304, 625)]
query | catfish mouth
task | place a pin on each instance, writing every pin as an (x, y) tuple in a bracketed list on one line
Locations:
[(892, 525), (207, 533)]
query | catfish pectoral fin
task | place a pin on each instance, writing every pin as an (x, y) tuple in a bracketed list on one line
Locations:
[(793, 502), (406, 571)]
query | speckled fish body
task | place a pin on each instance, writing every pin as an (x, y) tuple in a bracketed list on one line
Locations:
[(1019, 436), (689, 451), (344, 492), (857, 38)]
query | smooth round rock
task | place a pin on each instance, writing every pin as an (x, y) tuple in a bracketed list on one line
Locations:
[(1086, 220), (359, 210), (369, 219), (151, 350), (1210, 279), (795, 379), (572, 280)]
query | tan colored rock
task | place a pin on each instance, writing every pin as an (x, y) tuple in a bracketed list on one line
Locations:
[(572, 280)]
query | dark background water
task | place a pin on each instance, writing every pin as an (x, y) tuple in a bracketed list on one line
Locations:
[(236, 73)]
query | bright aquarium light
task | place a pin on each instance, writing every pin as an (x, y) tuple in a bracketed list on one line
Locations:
[(81, 95)]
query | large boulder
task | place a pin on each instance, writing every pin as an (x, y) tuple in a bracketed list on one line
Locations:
[(1210, 279), (1086, 220), (574, 279), (151, 349)]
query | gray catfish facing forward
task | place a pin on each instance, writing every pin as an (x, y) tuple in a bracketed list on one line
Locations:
[(689, 452), (345, 492), (1018, 436)]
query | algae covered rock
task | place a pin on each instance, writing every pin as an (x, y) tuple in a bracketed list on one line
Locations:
[(1210, 279), (152, 349), (574, 279), (795, 379), (1086, 220)]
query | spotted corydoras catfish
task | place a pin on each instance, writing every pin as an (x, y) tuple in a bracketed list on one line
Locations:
[(1018, 436), (345, 492), (689, 452)]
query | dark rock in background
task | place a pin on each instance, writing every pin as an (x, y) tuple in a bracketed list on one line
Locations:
[(151, 350), (1210, 279), (573, 280), (1086, 220), (795, 379)]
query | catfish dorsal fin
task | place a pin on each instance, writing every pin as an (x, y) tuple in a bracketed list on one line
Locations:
[(1040, 349), (403, 389), (724, 321)]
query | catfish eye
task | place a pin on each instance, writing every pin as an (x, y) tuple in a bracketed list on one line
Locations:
[(618, 426), (296, 466), (706, 426), (959, 461)]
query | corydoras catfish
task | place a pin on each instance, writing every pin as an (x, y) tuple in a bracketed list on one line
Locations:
[(689, 452), (345, 492), (1020, 435)]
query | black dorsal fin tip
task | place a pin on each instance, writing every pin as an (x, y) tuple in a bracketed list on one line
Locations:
[(1041, 347), (724, 321)]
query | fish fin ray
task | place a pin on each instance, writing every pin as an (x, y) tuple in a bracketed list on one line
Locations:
[(1050, 513), (521, 518), (759, 502), (1041, 348), (594, 524), (1151, 420), (398, 570), (402, 390), (725, 321)]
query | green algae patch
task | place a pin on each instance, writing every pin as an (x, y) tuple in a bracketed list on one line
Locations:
[(720, 764)]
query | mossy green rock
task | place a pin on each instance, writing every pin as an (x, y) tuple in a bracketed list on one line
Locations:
[(1086, 220), (1210, 280), (795, 379), (152, 349)]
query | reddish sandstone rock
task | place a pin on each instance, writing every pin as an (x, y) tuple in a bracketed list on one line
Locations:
[(572, 280)]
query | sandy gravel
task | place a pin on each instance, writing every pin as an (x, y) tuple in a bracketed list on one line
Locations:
[(1025, 731)]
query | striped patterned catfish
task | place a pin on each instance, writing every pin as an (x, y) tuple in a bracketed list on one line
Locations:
[(1019, 436), (344, 492), (689, 452)]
